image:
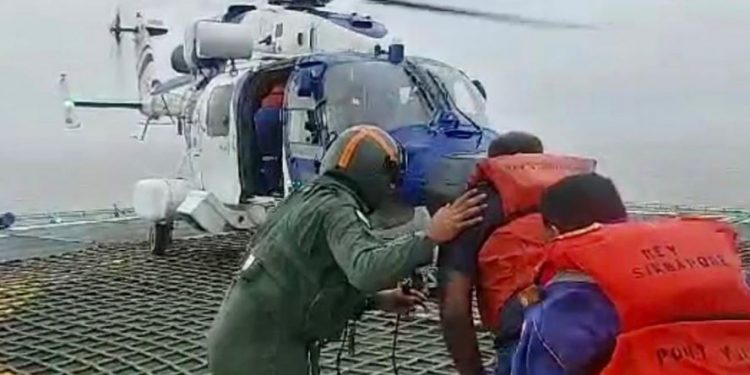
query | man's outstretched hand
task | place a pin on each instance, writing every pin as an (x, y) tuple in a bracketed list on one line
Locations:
[(453, 218)]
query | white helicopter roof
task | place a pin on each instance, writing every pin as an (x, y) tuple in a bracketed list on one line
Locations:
[(285, 31)]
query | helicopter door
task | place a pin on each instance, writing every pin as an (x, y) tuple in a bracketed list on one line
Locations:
[(305, 145), (218, 157)]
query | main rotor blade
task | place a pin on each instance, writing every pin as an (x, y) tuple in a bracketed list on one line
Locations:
[(495, 17)]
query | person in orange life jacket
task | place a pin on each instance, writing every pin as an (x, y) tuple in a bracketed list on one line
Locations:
[(275, 97), (499, 256), (269, 132), (633, 298)]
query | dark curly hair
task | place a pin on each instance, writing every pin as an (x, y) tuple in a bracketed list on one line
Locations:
[(578, 201), (515, 143)]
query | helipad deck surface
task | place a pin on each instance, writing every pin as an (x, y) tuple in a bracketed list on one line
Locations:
[(117, 309), (114, 308)]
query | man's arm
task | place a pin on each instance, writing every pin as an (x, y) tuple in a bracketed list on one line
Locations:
[(457, 322), (370, 263), (458, 270)]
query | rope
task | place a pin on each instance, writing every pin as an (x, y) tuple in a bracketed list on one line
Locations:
[(344, 336), (395, 344)]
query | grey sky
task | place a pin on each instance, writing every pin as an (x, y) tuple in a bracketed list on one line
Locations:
[(659, 93)]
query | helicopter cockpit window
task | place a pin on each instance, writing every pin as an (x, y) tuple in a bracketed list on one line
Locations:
[(217, 116), (464, 93), (372, 92)]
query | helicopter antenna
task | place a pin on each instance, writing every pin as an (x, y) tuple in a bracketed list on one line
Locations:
[(505, 18)]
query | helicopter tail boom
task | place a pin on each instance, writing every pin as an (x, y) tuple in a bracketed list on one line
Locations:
[(151, 106), (70, 104), (105, 104), (161, 105)]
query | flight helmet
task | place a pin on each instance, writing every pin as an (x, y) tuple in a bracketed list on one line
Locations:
[(369, 158)]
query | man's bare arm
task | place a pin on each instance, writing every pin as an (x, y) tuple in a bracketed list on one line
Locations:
[(458, 324)]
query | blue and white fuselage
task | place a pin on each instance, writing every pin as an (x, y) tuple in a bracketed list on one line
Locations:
[(337, 70)]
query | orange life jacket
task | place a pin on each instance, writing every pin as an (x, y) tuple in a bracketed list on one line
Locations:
[(509, 258), (679, 291)]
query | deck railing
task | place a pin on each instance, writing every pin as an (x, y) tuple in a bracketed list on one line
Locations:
[(59, 217)]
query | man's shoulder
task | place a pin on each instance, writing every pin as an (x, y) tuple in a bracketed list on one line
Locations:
[(324, 200), (485, 187), (493, 215), (462, 252), (494, 197), (310, 211), (326, 194)]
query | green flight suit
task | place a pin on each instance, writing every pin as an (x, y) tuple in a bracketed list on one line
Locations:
[(315, 260)]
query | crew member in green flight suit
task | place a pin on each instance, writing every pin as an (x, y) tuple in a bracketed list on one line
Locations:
[(315, 263)]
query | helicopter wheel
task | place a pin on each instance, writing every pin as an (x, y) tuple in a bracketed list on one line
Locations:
[(160, 237)]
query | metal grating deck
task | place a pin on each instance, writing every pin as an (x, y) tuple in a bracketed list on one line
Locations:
[(116, 309)]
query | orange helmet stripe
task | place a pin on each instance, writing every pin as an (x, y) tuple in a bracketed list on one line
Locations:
[(350, 148), (383, 143), (365, 132)]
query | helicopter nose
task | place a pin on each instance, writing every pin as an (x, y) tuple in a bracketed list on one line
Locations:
[(447, 179), (438, 163)]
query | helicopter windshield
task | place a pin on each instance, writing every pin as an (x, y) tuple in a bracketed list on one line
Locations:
[(372, 92), (462, 91)]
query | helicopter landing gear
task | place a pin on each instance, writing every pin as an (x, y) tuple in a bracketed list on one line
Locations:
[(160, 237)]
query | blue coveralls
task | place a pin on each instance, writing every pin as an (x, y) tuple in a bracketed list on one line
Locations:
[(571, 332)]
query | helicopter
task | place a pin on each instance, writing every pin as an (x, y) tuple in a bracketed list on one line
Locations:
[(328, 72)]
